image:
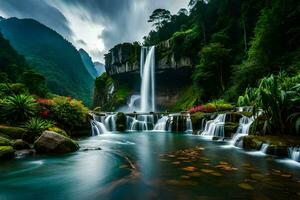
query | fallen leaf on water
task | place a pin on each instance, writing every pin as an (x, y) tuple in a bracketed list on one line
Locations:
[(163, 160), (207, 170), (190, 168), (223, 163), (206, 164), (245, 186), (185, 177), (194, 174), (257, 176), (216, 174), (176, 163), (286, 175)]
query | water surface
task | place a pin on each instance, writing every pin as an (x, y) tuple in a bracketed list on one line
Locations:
[(150, 166)]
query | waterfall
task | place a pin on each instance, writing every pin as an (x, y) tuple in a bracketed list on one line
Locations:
[(189, 125), (148, 80), (97, 125), (140, 123), (161, 124), (294, 153), (110, 122), (264, 148), (215, 127), (242, 130)]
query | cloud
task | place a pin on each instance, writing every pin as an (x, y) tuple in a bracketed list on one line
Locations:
[(95, 25)]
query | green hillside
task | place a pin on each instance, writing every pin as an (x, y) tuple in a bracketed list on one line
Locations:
[(51, 55)]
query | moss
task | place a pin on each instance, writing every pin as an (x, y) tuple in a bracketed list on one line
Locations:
[(257, 127), (251, 143), (121, 122), (230, 128), (58, 130), (20, 144), (6, 152), (4, 141), (188, 97), (12, 132), (233, 117), (198, 117)]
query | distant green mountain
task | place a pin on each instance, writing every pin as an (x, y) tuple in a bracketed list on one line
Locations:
[(88, 63), (51, 55)]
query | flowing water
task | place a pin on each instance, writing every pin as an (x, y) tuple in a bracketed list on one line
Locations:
[(215, 127), (148, 80), (149, 165)]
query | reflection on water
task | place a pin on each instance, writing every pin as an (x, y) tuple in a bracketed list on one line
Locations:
[(149, 166)]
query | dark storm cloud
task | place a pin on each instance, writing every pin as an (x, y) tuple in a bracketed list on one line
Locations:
[(117, 20), (39, 10)]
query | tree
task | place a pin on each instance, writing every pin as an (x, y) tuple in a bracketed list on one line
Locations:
[(213, 71), (159, 17)]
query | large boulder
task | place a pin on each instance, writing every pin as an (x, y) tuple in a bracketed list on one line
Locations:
[(53, 143), (6, 152), (121, 121)]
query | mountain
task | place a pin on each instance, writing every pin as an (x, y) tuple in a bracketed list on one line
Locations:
[(88, 63), (100, 67), (51, 55)]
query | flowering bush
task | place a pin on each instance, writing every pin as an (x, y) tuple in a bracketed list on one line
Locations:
[(211, 107), (68, 112)]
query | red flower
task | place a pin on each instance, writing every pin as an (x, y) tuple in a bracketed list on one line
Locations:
[(47, 102), (44, 113)]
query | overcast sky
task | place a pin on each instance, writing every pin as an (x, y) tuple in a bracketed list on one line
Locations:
[(94, 25)]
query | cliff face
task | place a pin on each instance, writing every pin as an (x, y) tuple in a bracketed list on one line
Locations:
[(173, 74)]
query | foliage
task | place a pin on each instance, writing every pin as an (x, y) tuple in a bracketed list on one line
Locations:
[(18, 108), (212, 73), (68, 112), (36, 126), (50, 54), (159, 17), (35, 83), (214, 106)]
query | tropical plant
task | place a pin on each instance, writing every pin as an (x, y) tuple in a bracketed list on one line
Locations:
[(36, 126), (18, 108), (68, 112)]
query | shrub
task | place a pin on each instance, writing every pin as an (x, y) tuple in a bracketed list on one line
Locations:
[(68, 112), (218, 105), (36, 126), (18, 108)]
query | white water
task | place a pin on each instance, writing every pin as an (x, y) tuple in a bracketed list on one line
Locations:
[(261, 152), (148, 80), (242, 130), (215, 127), (110, 122), (294, 153), (189, 125), (161, 124)]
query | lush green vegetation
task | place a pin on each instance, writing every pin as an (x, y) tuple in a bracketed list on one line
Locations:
[(48, 53), (245, 52)]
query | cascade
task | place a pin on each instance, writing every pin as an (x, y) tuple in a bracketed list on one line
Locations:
[(110, 122), (148, 80), (215, 127), (294, 153), (242, 130), (97, 126), (264, 148), (189, 125), (161, 124)]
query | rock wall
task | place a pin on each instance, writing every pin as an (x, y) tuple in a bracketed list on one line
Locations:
[(173, 74)]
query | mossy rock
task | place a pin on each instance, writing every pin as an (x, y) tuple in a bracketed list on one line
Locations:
[(121, 121), (12, 132), (59, 131), (20, 144), (251, 143), (4, 141), (233, 117), (257, 127), (198, 117), (6, 152), (53, 143), (230, 128), (278, 150)]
